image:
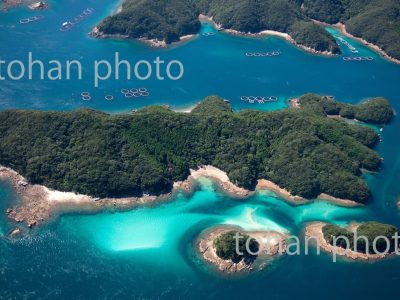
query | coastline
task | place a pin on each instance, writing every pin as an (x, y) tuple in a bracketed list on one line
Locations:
[(155, 43), (223, 180), (343, 30), (264, 184), (314, 230), (339, 201), (268, 242), (376, 48), (279, 34), (39, 203)]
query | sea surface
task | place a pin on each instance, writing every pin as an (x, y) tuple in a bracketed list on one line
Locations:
[(148, 253)]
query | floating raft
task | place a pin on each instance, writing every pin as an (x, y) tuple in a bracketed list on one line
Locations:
[(71, 23), (135, 92), (208, 34), (86, 96), (258, 99), (30, 19), (128, 93), (263, 54), (344, 42), (358, 58)]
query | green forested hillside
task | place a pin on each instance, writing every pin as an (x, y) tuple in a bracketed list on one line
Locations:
[(369, 230), (101, 155), (313, 36), (374, 111), (168, 20), (159, 19), (252, 16), (377, 21)]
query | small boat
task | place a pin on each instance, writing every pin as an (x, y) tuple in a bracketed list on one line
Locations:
[(65, 24)]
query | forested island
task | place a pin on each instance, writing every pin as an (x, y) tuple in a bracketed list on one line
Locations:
[(96, 154), (370, 230), (376, 21), (357, 241), (169, 20), (233, 250)]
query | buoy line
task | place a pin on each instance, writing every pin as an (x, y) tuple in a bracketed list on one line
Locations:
[(69, 24), (208, 33), (259, 99), (344, 42), (30, 19), (263, 54), (357, 58)]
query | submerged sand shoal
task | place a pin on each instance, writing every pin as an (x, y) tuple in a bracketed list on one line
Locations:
[(39, 203)]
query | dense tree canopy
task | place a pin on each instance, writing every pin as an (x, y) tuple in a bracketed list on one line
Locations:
[(366, 234), (374, 111), (226, 246), (160, 19), (168, 20), (313, 36), (102, 155), (377, 21)]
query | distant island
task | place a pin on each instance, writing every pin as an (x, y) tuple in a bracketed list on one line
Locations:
[(168, 21), (96, 154), (375, 240), (375, 21), (248, 251)]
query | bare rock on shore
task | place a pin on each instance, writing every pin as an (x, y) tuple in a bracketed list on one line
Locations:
[(314, 230), (271, 244), (222, 178)]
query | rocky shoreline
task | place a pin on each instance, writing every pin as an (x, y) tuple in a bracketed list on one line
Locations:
[(155, 43), (314, 230), (283, 35), (285, 194), (39, 204), (207, 251), (343, 30)]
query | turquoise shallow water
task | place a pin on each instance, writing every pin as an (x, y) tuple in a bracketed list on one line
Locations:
[(148, 252)]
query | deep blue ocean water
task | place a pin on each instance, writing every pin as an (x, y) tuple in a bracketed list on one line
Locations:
[(148, 253)]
